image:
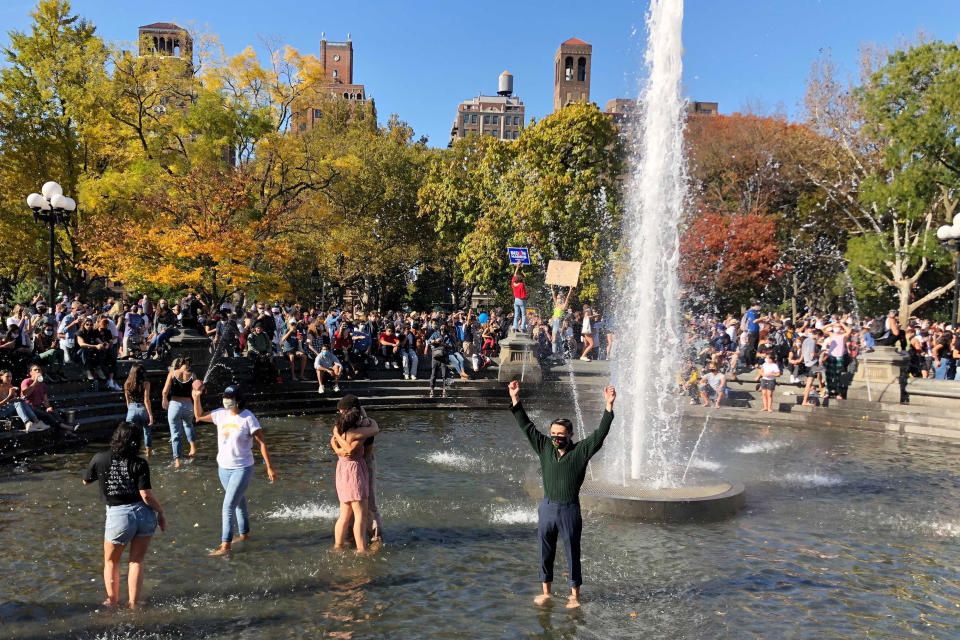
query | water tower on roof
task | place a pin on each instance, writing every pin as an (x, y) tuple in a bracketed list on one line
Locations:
[(505, 84)]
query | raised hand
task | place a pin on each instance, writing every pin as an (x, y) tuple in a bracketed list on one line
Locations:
[(514, 389), (609, 395)]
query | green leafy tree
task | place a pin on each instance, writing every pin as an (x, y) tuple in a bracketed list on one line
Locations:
[(50, 129), (554, 190), (880, 165)]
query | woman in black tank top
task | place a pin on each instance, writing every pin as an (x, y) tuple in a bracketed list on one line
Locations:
[(178, 402)]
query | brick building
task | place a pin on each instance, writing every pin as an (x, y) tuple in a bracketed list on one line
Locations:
[(336, 58), (571, 81), (501, 116)]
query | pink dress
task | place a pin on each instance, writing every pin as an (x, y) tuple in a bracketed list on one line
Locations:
[(353, 482)]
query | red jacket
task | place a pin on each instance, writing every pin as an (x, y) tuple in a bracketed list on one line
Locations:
[(519, 289)]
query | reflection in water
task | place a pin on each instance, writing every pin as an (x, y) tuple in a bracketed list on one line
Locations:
[(851, 533)]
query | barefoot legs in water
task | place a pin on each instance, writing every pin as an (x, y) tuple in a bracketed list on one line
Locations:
[(223, 550), (360, 524), (544, 597), (138, 549), (342, 525), (573, 602), (111, 571)]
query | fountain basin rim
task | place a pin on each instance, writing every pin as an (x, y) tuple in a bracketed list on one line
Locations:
[(705, 503)]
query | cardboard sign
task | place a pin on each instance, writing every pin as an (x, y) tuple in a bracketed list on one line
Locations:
[(518, 255), (563, 273)]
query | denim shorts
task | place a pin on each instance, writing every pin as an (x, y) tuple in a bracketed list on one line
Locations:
[(128, 521)]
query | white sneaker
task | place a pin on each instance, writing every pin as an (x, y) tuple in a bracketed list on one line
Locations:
[(406, 376), (29, 426), (336, 388), (413, 377), (320, 390)]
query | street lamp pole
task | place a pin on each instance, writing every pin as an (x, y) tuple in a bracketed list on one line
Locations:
[(52, 207)]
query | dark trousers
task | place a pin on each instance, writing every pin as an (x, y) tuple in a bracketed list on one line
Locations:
[(561, 518), (90, 358), (753, 340), (444, 372)]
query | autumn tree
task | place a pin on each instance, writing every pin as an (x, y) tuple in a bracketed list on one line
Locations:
[(748, 165), (50, 129), (202, 232), (728, 259)]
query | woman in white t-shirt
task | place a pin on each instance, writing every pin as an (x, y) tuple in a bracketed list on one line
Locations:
[(767, 376), (237, 428)]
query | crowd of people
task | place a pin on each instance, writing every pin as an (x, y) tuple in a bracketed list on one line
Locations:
[(337, 344), (817, 352)]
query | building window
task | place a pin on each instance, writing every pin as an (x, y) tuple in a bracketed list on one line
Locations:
[(486, 119), (473, 119), (496, 119), (582, 70), (336, 73), (303, 126), (346, 95), (316, 113), (514, 135), (516, 120), (568, 69), (466, 118)]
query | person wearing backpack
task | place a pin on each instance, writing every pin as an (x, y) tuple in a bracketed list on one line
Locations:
[(887, 333)]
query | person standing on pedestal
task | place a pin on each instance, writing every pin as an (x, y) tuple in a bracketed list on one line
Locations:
[(519, 300), (563, 463)]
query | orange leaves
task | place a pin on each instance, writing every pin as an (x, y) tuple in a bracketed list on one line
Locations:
[(736, 254), (200, 231)]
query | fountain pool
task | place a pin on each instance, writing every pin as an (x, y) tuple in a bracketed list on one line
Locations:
[(846, 535)]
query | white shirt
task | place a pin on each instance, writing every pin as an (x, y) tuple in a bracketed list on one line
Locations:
[(770, 370), (113, 328), (235, 437)]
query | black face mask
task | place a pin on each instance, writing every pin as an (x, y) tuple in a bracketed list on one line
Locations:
[(560, 442)]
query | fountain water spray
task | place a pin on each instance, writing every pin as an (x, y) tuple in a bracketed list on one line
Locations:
[(649, 304)]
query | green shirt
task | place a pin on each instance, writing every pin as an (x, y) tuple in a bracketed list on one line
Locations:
[(258, 343), (563, 476)]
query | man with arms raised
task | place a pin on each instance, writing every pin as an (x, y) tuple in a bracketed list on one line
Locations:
[(564, 464)]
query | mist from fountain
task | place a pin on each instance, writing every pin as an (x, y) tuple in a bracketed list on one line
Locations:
[(648, 451)]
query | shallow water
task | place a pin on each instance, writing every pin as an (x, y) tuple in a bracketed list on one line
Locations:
[(845, 535)]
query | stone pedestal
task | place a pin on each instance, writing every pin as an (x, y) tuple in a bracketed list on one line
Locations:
[(517, 360), (882, 366), (191, 344)]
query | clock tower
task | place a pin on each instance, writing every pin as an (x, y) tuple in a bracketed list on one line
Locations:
[(337, 60)]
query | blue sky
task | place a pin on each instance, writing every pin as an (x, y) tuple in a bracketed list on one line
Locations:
[(420, 59)]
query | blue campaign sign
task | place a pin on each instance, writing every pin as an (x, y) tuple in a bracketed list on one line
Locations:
[(517, 255)]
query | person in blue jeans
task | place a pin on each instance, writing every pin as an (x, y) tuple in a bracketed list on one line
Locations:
[(519, 300), (179, 406), (133, 512), (136, 392), (943, 361), (12, 404), (237, 428)]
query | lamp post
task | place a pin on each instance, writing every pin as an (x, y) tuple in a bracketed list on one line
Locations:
[(52, 207), (949, 237), (317, 283)]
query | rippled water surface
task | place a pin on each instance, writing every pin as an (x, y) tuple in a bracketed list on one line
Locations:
[(845, 535)]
